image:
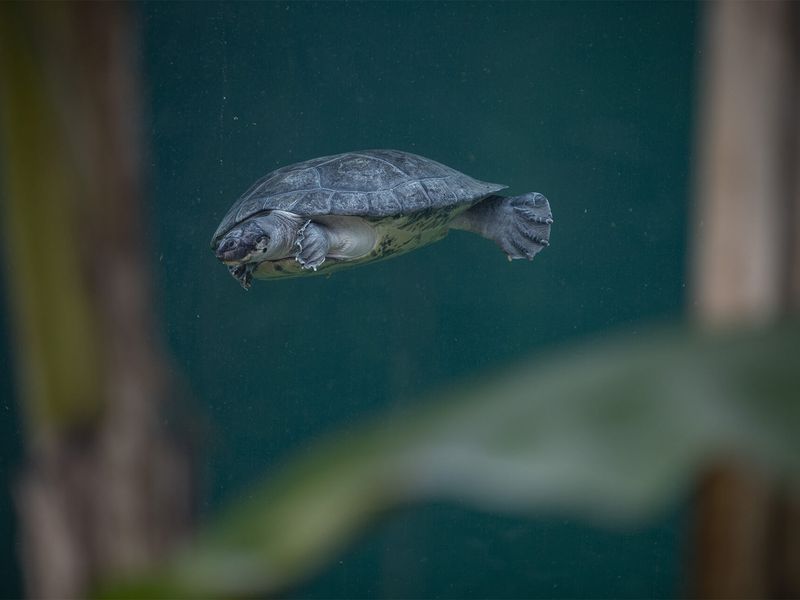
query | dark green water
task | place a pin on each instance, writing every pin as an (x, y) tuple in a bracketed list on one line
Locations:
[(587, 103)]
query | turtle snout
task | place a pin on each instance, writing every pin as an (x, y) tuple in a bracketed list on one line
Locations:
[(231, 249), (242, 244)]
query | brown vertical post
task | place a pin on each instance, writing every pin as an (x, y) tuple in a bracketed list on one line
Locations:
[(745, 129), (745, 261)]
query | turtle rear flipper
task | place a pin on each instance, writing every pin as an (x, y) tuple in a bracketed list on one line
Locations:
[(520, 225)]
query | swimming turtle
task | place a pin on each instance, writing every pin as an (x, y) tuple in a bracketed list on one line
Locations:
[(357, 207)]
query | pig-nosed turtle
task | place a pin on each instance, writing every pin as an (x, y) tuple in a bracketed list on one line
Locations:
[(357, 207)]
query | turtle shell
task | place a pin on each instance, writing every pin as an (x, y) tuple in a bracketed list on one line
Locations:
[(368, 183)]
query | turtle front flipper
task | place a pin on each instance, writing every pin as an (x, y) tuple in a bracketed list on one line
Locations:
[(243, 274), (520, 225), (312, 245)]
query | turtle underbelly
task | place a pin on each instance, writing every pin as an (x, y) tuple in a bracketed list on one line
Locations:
[(395, 236)]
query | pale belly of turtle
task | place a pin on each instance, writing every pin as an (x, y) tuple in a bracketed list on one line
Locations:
[(394, 236)]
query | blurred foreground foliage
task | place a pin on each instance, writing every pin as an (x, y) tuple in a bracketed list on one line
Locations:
[(611, 431)]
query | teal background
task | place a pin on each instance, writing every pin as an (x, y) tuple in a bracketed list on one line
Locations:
[(589, 103)]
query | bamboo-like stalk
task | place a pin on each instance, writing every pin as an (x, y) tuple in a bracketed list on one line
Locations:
[(106, 489), (54, 323)]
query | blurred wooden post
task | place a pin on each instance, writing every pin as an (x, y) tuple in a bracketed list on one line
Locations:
[(747, 268), (106, 488)]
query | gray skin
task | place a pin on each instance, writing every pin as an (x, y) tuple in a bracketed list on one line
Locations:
[(340, 211)]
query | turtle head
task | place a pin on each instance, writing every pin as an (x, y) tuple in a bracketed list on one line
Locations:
[(265, 237), (245, 243)]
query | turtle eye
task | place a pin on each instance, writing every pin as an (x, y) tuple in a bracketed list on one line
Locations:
[(261, 244)]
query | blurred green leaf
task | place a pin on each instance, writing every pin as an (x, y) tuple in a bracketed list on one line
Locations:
[(607, 431)]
